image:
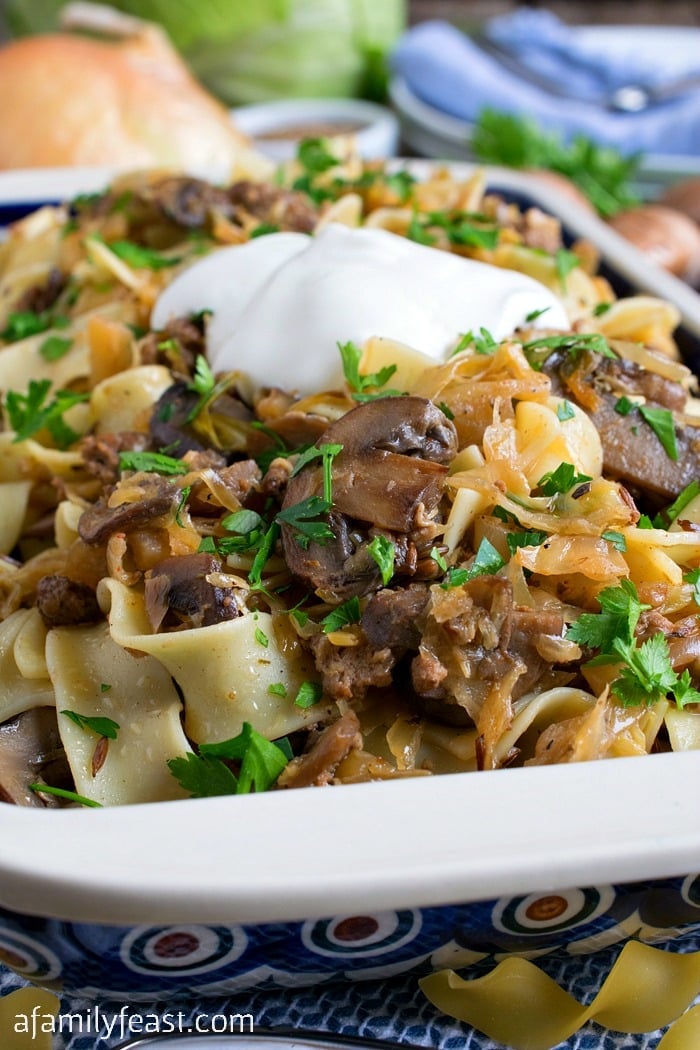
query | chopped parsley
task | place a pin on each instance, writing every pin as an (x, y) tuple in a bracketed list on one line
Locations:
[(532, 538), (438, 558), (538, 350), (307, 520), (661, 422), (383, 552), (361, 385), (601, 308), (327, 454), (564, 262), (102, 726), (693, 578), (138, 257), (261, 638), (487, 562), (446, 410), (565, 410), (342, 616), (277, 689), (31, 412), (534, 314), (151, 463), (647, 674), (623, 406), (69, 796), (181, 504), (483, 343), (24, 323), (207, 774), (562, 479), (308, 695), (54, 348), (617, 539), (263, 229)]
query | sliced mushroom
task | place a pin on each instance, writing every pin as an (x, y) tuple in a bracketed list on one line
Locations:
[(390, 468), (31, 752), (183, 586), (97, 523), (317, 767), (63, 602)]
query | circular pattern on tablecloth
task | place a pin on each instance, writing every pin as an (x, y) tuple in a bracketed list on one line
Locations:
[(182, 950), (27, 956), (690, 890), (361, 936), (548, 913)]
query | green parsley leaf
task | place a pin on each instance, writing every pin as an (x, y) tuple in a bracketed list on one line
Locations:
[(207, 545), (24, 323), (483, 343), (30, 412), (105, 687), (151, 463), (277, 689), (454, 577), (309, 694), (562, 479), (538, 350), (623, 406), (242, 521), (138, 257), (417, 232), (306, 520), (446, 410), (565, 410), (263, 229), (261, 760), (565, 261), (617, 539), (203, 381), (601, 308), (351, 356), (401, 183), (648, 674), (534, 314), (327, 452), (102, 726), (181, 504), (661, 422), (261, 638), (342, 616), (533, 538), (684, 692), (69, 796), (315, 157), (383, 552), (438, 558), (645, 522), (693, 578), (487, 561), (267, 545), (204, 776), (54, 348), (620, 612), (686, 496)]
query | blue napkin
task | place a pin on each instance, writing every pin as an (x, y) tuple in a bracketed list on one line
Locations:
[(450, 71)]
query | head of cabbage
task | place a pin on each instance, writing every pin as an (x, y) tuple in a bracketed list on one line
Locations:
[(248, 51)]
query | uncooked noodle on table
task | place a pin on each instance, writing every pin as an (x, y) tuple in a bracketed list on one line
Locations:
[(211, 586)]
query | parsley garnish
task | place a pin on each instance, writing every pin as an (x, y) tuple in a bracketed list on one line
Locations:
[(532, 538), (181, 504), (483, 343), (359, 385), (261, 638), (617, 539), (487, 562), (343, 616), (277, 689), (565, 410), (383, 552), (439, 559), (601, 308), (562, 479), (693, 578), (623, 406), (534, 314), (327, 452), (207, 774), (151, 463), (684, 497), (446, 410), (565, 261), (100, 725), (263, 229), (69, 796), (30, 412), (571, 342), (661, 422), (309, 694), (262, 554), (54, 348), (138, 257), (647, 674), (24, 323), (306, 520)]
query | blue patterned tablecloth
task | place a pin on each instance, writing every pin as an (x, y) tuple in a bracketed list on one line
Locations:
[(393, 1010)]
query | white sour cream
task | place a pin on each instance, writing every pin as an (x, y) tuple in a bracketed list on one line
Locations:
[(281, 303)]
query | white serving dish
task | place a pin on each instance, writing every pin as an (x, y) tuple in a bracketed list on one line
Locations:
[(303, 854)]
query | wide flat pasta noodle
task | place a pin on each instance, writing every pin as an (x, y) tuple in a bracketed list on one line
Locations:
[(225, 671), (95, 677), (17, 693), (520, 1006)]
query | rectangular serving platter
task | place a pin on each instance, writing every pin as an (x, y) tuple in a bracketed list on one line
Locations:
[(287, 856)]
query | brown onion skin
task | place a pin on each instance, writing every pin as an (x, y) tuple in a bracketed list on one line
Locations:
[(685, 197), (128, 103)]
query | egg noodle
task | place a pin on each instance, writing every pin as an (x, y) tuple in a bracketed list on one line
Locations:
[(211, 587)]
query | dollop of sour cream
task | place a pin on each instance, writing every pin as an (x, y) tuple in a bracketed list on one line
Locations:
[(282, 302)]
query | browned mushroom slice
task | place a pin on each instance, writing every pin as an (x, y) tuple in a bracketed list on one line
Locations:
[(31, 752), (63, 602), (98, 522), (391, 467), (317, 767), (182, 586)]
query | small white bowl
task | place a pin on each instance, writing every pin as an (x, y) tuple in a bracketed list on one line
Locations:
[(277, 127)]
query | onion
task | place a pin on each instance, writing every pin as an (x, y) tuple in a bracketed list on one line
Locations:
[(669, 238), (126, 100), (684, 196)]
